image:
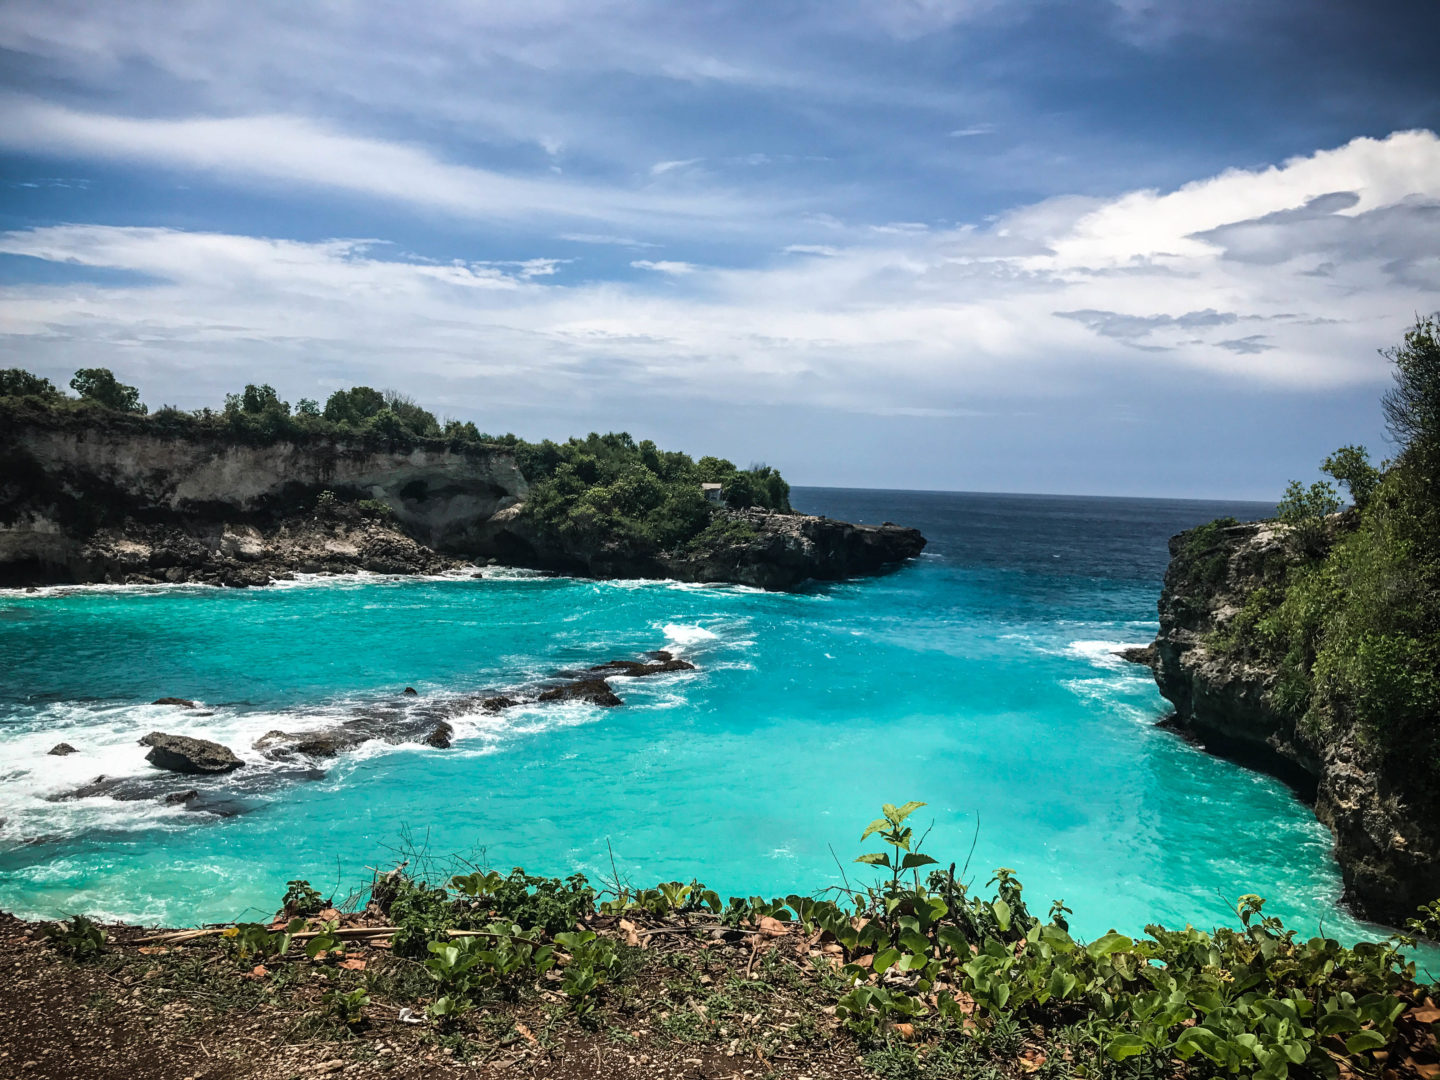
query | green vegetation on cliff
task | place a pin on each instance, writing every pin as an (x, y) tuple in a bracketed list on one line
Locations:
[(1352, 621)]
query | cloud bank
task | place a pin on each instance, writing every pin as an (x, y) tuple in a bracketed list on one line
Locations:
[(1286, 276)]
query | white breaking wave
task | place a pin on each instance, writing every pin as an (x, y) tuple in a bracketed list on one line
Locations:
[(1103, 653), (682, 636)]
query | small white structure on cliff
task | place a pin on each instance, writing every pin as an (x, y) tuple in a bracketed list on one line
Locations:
[(714, 493)]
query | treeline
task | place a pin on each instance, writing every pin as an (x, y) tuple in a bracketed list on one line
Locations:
[(1353, 628), (603, 489)]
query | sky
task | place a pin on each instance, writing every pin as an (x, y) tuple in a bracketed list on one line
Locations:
[(1127, 247)]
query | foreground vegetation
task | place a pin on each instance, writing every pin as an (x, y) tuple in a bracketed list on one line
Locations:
[(609, 489), (1350, 620), (912, 976)]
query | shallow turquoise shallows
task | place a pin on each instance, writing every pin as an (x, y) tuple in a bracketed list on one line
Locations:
[(979, 679)]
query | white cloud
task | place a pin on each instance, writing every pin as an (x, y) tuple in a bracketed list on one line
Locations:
[(293, 150), (660, 168), (665, 266), (972, 131), (1245, 277)]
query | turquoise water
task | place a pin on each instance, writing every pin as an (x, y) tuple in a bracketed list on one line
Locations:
[(978, 679)]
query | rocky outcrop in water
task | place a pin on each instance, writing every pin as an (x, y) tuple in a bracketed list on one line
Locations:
[(766, 549), (181, 753), (1387, 829)]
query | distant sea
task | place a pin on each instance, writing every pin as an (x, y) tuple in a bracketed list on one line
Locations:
[(980, 679)]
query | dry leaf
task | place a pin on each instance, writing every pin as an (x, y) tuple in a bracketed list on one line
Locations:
[(628, 929), (1426, 1014), (353, 964), (153, 950), (1426, 1072), (863, 961), (526, 1034), (1031, 1061), (905, 1031), (772, 927), (259, 971)]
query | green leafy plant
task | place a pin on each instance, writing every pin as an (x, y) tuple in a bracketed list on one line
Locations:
[(301, 899), (592, 963), (898, 835), (347, 1006), (78, 937)]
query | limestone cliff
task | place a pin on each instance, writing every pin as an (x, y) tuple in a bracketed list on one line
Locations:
[(124, 499), (1386, 827), (78, 500)]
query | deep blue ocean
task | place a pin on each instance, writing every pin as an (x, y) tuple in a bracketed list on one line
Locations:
[(980, 679)]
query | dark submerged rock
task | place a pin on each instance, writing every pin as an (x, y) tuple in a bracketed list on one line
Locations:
[(595, 691), (176, 798), (184, 703), (634, 669), (181, 753), (323, 743), (410, 691), (440, 737), (61, 749)]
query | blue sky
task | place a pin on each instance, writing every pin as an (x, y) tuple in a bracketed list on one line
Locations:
[(1111, 247)]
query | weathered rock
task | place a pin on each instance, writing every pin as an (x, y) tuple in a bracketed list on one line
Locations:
[(595, 691), (635, 669), (440, 737), (410, 691), (322, 743), (181, 753), (61, 749), (1138, 654), (176, 798), (498, 703), (184, 703), (1387, 829)]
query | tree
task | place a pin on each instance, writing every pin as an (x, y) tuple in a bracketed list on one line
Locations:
[(1350, 465), (16, 382), (1412, 405), (1304, 510), (255, 400), (353, 406), (100, 386)]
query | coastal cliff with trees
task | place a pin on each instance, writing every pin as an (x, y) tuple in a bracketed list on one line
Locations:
[(97, 487), (1310, 645)]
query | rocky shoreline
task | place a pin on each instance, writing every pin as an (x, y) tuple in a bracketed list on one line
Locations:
[(184, 763), (1387, 831)]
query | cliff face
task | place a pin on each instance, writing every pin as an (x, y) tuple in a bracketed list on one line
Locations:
[(1387, 830), (124, 501), (72, 497)]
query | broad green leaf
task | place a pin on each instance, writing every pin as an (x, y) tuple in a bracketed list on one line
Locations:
[(874, 827), (884, 959), (914, 859), (1124, 1046), (875, 858), (1362, 1041), (1108, 944), (1336, 1023), (1002, 914)]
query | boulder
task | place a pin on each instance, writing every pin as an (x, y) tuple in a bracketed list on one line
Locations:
[(440, 737), (410, 691), (181, 753), (595, 691), (184, 703), (497, 703), (60, 749), (176, 798)]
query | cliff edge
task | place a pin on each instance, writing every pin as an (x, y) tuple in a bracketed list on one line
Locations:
[(1384, 816), (95, 496)]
